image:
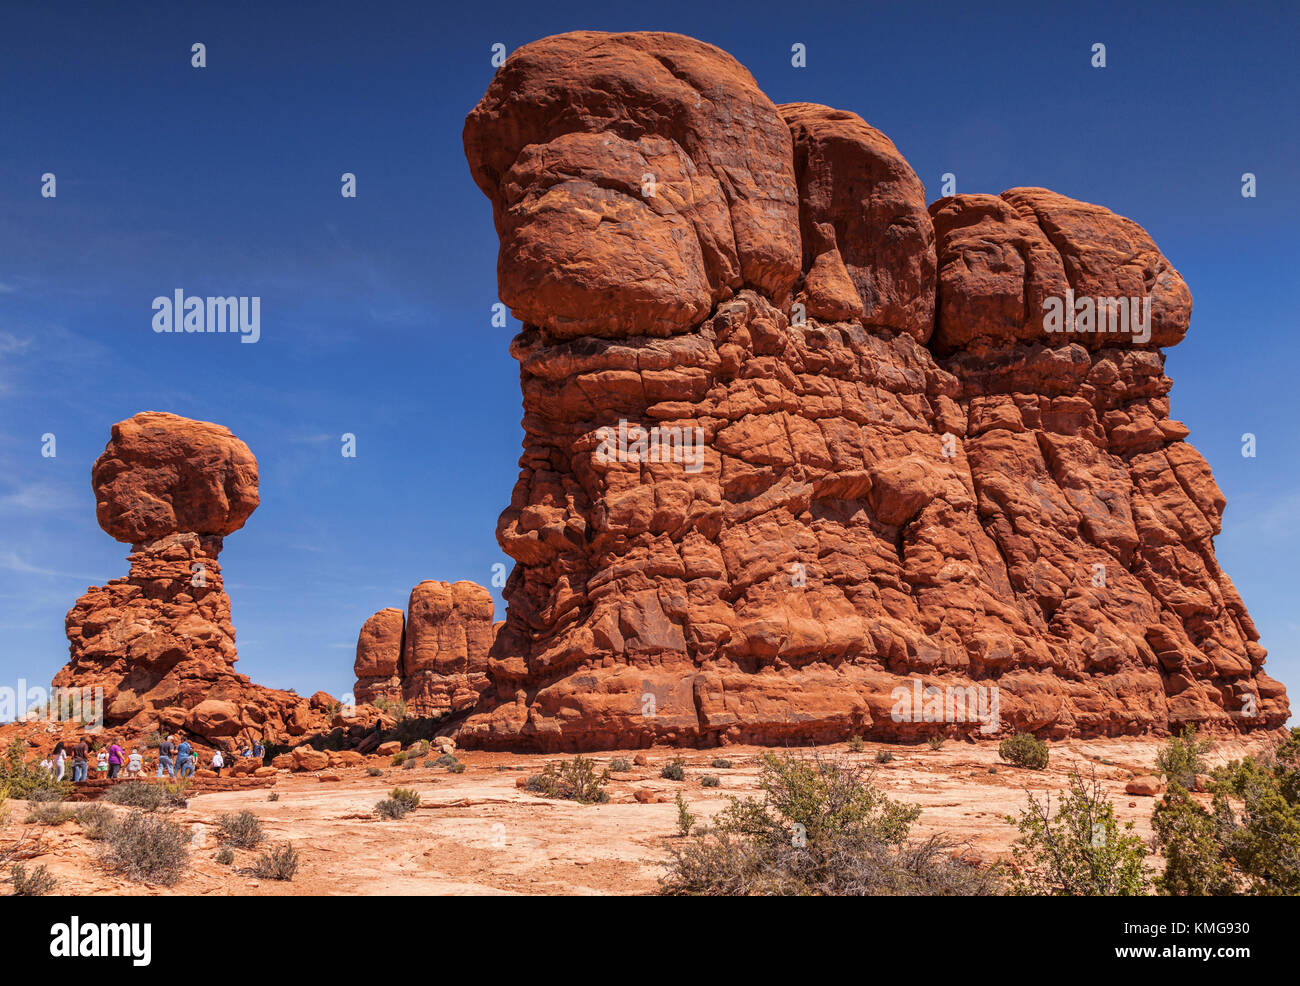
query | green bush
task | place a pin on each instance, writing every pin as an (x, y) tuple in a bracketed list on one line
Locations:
[(225, 856), (620, 766), (399, 759), (572, 780), (447, 760), (1024, 750), (410, 764), (674, 770), (721, 764), (820, 829), (388, 808), (710, 780), (856, 744), (1081, 851), (685, 819), (374, 772), (1197, 863), (279, 864), (273, 796), (29, 781), (34, 883), (1249, 843), (406, 796), (242, 829), (934, 742), (884, 756), (1183, 757), (148, 848)]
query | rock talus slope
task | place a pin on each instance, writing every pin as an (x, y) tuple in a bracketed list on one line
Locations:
[(792, 439)]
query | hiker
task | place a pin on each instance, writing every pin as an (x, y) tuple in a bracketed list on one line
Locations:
[(47, 765), (101, 764), (80, 751), (134, 764), (60, 760), (218, 762), (185, 759), (259, 751), (166, 751), (115, 757)]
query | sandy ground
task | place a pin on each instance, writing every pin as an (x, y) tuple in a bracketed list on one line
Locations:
[(477, 833)]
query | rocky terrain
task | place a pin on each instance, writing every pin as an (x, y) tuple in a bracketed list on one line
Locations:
[(794, 439), (478, 832)]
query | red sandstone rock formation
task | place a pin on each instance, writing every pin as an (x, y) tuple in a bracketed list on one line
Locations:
[(434, 660), (160, 641), (901, 474)]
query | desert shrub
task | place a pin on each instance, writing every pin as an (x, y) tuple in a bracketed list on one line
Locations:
[(36, 882), (1081, 851), (1197, 863), (148, 848), (410, 764), (241, 829), (456, 768), (572, 780), (856, 744), (685, 819), (399, 758), (674, 770), (48, 813), (154, 740), (395, 708), (147, 795), (225, 856), (884, 756), (710, 780), (29, 781), (273, 796), (447, 760), (620, 766), (96, 821), (934, 742), (406, 796), (722, 763), (401, 801), (821, 828), (1183, 757), (374, 772), (430, 762), (1249, 843), (1024, 750), (280, 863)]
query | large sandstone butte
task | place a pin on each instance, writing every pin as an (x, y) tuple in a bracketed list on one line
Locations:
[(902, 475), (160, 642)]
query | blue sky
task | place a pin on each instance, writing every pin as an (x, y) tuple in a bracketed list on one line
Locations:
[(376, 310)]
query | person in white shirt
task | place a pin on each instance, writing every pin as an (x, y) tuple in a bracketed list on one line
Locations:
[(134, 763), (218, 762), (60, 760)]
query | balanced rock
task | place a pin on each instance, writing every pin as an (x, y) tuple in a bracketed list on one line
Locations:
[(160, 642), (801, 454)]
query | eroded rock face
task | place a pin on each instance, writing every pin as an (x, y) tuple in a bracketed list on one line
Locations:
[(160, 642), (434, 657), (883, 473)]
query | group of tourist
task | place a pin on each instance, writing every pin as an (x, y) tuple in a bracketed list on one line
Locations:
[(175, 759)]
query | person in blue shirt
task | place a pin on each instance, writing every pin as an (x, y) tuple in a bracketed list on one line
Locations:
[(185, 759)]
